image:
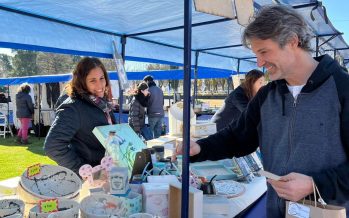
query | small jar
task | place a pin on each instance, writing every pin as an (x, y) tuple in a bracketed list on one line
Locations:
[(159, 152)]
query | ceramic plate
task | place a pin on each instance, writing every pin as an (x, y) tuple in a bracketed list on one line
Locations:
[(52, 182)]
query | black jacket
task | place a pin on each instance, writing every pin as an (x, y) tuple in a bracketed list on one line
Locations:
[(24, 105), (70, 141), (233, 106), (136, 116)]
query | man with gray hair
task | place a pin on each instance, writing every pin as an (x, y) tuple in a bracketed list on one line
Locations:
[(300, 120)]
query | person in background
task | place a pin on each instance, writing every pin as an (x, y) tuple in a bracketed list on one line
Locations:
[(136, 116), (237, 100), (70, 141), (300, 120), (155, 109), (24, 112)]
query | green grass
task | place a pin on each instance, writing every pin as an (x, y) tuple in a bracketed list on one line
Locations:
[(15, 158)]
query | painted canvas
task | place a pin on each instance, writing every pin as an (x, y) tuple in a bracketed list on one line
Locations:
[(120, 142)]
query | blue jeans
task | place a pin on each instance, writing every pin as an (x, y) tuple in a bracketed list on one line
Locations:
[(155, 124)]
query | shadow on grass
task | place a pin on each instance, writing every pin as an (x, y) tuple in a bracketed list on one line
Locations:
[(35, 146)]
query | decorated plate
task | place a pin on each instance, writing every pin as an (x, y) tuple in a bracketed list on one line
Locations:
[(229, 188), (52, 182)]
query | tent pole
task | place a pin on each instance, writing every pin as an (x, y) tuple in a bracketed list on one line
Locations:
[(39, 129), (334, 54), (8, 110), (186, 107), (121, 92), (317, 46), (195, 94)]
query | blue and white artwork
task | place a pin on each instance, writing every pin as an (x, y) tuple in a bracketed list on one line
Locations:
[(120, 142)]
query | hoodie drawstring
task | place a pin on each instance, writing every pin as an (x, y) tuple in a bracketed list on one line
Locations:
[(283, 104)]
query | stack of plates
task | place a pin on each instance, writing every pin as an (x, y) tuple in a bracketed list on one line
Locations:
[(51, 182)]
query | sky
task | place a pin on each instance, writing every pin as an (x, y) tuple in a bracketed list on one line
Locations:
[(337, 11)]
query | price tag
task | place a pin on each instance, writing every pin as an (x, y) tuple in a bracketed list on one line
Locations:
[(33, 170), (48, 206)]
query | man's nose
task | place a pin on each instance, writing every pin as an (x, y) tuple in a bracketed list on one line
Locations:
[(260, 62)]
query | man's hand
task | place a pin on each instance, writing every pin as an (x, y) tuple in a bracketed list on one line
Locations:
[(194, 148), (293, 187)]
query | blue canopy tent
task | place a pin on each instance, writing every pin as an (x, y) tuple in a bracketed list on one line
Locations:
[(203, 73), (149, 31)]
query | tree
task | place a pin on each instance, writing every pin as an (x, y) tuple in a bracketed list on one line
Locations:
[(5, 64), (50, 63), (24, 63)]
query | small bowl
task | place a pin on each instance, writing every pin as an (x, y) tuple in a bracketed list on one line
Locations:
[(11, 208), (66, 208), (52, 182), (102, 206)]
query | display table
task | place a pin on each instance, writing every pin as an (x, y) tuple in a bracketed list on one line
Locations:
[(254, 191)]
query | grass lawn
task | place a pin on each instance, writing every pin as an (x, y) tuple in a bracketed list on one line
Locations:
[(15, 158)]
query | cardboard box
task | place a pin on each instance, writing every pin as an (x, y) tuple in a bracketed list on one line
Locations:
[(195, 201)]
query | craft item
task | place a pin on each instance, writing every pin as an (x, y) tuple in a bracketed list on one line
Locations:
[(66, 208), (269, 175), (142, 159), (152, 155), (97, 176), (210, 170), (229, 188), (121, 146), (132, 202), (208, 188), (52, 182), (195, 201), (118, 180), (251, 163), (11, 208), (102, 206), (245, 169), (257, 158), (156, 199)]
